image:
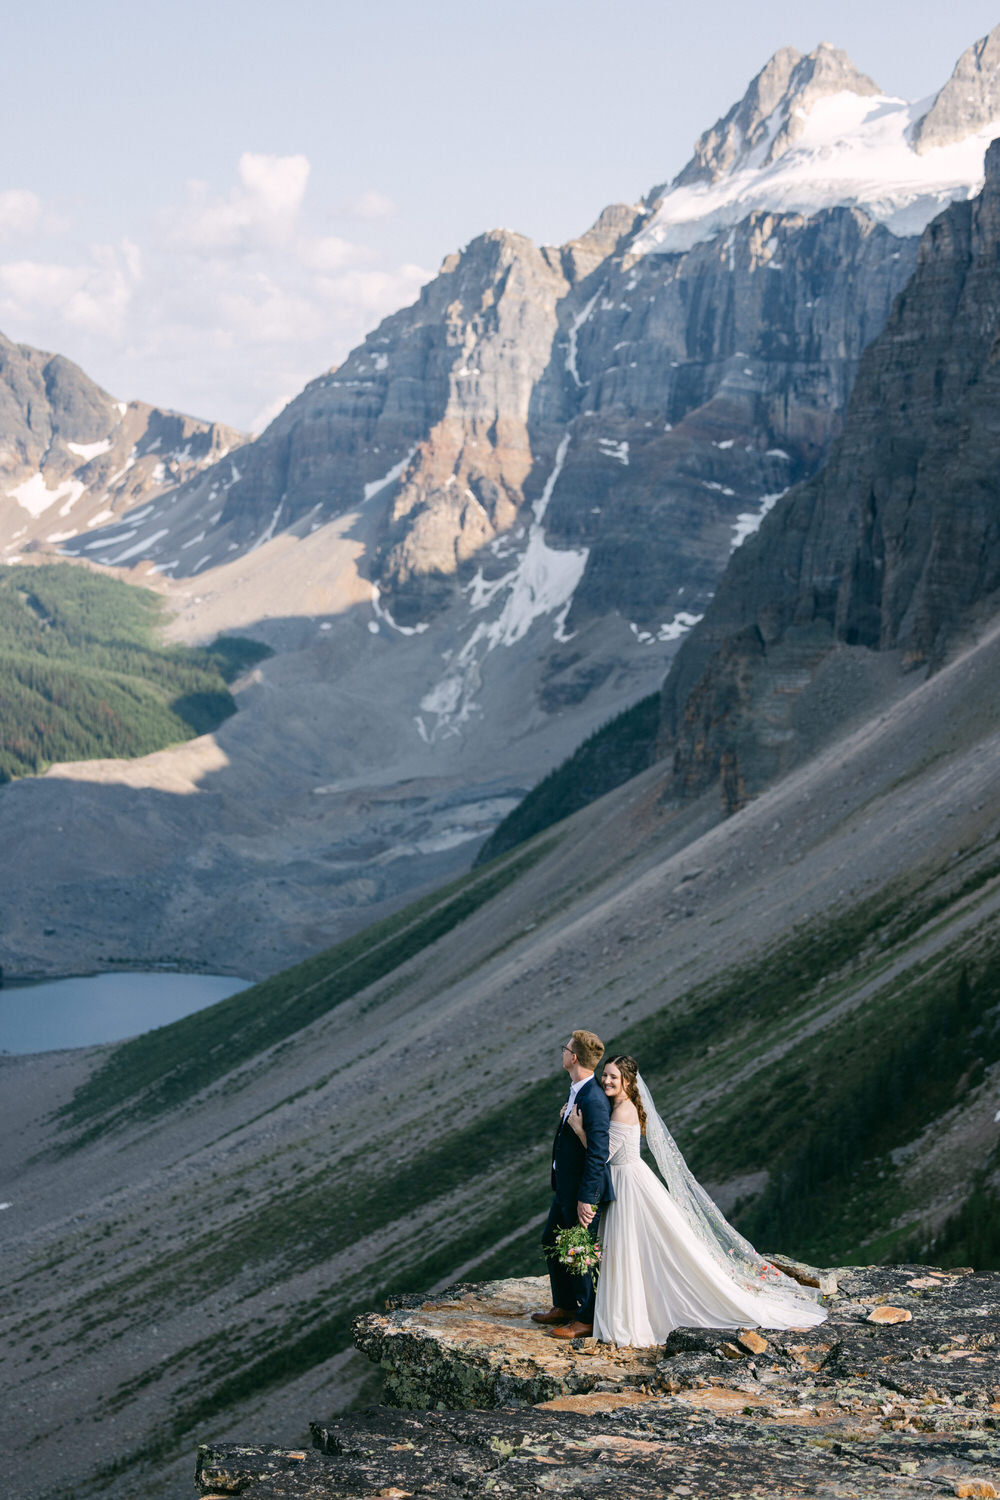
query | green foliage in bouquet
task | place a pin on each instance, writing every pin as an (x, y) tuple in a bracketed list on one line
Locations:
[(577, 1250)]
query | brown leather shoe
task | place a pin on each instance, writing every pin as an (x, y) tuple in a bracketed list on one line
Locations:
[(573, 1331), (554, 1315)]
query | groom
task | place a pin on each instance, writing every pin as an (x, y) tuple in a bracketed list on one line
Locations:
[(580, 1179)]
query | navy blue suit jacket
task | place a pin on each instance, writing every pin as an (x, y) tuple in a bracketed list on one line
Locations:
[(578, 1175)]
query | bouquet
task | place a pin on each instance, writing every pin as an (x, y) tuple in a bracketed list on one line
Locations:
[(575, 1249)]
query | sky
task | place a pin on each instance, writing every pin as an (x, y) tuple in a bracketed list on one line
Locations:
[(208, 204)]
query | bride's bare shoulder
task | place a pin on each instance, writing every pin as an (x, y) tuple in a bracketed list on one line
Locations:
[(625, 1113)]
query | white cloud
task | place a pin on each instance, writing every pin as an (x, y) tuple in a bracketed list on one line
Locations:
[(94, 297), (263, 207), (231, 301), (20, 212), (33, 284), (330, 253), (371, 205), (265, 311), (373, 292), (277, 184)]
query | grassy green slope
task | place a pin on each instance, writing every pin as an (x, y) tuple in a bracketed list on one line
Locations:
[(82, 675), (609, 757)]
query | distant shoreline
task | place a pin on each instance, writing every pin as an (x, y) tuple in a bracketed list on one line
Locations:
[(26, 981)]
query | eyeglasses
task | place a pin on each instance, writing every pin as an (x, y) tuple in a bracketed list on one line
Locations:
[(567, 1049)]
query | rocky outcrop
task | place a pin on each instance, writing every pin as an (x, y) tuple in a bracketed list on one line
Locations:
[(969, 100), (72, 457), (474, 1345), (893, 547), (896, 1394)]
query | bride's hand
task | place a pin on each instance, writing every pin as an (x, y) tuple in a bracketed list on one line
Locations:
[(576, 1121)]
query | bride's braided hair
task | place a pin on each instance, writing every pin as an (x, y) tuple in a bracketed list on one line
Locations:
[(629, 1069)]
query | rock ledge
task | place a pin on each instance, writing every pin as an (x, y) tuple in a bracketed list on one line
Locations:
[(890, 1405)]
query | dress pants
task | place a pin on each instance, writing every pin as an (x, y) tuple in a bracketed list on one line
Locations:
[(571, 1293)]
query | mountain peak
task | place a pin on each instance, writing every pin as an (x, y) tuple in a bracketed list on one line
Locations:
[(770, 116), (814, 133), (969, 100)]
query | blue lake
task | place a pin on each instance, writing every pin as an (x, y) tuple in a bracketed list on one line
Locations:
[(103, 1007)]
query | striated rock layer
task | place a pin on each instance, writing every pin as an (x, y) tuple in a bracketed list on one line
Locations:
[(898, 1393)]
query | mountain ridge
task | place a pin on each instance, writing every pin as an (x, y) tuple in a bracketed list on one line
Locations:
[(65, 442), (813, 131), (471, 545), (435, 444), (786, 86)]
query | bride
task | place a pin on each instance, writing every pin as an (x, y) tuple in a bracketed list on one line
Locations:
[(670, 1260)]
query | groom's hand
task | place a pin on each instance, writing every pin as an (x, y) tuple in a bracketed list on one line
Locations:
[(585, 1212)]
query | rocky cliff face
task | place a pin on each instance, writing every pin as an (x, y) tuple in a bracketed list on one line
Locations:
[(72, 458), (647, 406), (646, 389), (892, 547)]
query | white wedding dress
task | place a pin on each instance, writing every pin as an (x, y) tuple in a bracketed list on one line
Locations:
[(659, 1273)]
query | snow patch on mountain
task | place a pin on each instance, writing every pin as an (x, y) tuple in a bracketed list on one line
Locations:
[(542, 582), (672, 630), (385, 618), (268, 531), (376, 486), (142, 546), (613, 448), (88, 451), (748, 521), (574, 329), (34, 495), (851, 150)]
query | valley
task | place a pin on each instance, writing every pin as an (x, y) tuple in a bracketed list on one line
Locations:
[(507, 508)]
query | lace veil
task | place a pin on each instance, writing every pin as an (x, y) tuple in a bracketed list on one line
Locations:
[(724, 1243)]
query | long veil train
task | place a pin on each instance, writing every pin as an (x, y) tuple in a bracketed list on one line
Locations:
[(724, 1243)]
